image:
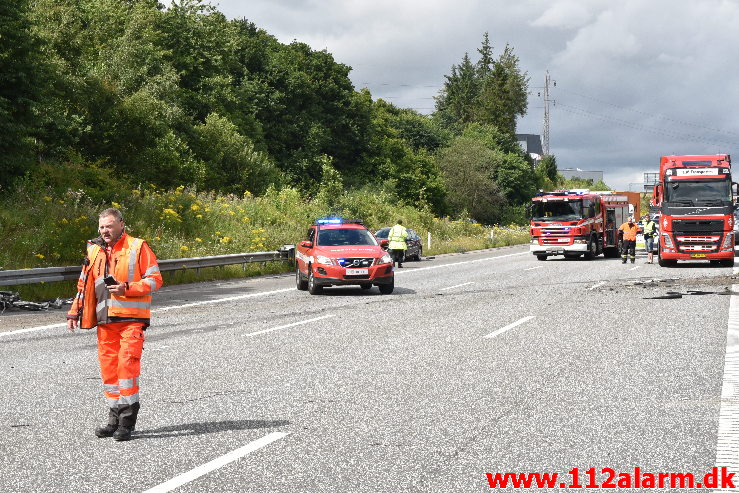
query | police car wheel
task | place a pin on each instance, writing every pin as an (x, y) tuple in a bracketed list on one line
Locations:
[(300, 283), (313, 288), (366, 286), (387, 288)]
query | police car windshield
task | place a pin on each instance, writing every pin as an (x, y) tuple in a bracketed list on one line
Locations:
[(557, 210), (345, 236)]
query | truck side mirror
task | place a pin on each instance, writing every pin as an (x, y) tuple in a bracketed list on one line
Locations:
[(306, 244)]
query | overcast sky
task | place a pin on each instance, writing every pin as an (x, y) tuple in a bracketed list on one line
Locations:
[(635, 79)]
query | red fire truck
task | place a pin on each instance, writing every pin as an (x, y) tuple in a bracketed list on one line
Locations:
[(694, 197), (577, 222)]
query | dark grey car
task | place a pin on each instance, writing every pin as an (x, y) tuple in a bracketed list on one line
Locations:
[(415, 246)]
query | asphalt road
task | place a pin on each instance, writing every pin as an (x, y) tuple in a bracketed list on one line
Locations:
[(357, 391)]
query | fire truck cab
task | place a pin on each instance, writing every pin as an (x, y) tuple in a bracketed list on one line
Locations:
[(576, 223)]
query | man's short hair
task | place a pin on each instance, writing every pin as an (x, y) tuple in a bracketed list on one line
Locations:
[(630, 218), (112, 212), (400, 221)]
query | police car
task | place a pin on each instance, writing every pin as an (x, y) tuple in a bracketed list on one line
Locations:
[(340, 252)]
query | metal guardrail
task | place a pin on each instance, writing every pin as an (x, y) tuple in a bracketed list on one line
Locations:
[(70, 273)]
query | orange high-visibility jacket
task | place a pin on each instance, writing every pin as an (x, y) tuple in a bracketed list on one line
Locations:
[(629, 231), (131, 262)]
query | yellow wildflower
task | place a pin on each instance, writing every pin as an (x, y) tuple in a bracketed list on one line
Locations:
[(194, 207), (64, 220), (199, 216), (198, 240), (116, 205), (47, 198), (39, 256), (184, 248), (226, 239)]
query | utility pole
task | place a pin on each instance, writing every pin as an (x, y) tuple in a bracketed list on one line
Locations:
[(545, 133)]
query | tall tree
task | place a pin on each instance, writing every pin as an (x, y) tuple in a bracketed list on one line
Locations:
[(21, 85), (457, 100), (504, 95)]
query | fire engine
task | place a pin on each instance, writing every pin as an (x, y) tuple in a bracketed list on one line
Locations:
[(694, 198), (577, 222), (342, 252)]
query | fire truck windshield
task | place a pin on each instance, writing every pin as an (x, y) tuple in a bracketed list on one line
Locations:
[(557, 210), (698, 192)]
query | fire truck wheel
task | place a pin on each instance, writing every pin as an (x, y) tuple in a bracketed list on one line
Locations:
[(592, 250), (541, 257), (665, 262)]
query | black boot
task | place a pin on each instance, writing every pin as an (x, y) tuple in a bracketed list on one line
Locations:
[(109, 429), (126, 421), (623, 261)]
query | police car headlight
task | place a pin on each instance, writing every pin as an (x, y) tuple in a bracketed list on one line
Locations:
[(386, 259), (320, 259)]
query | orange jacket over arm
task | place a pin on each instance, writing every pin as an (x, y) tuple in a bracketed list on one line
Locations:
[(133, 263), (629, 231)]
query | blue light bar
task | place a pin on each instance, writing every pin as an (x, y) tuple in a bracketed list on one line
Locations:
[(329, 220)]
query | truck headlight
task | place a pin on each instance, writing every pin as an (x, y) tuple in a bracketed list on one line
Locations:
[(728, 241), (668, 241), (321, 259)]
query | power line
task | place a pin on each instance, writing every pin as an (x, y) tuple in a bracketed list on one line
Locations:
[(653, 115), (637, 126)]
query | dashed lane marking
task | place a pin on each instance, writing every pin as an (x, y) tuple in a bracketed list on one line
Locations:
[(254, 295), (301, 322), (457, 286), (534, 268), (728, 422), (509, 327), (193, 474), (596, 286)]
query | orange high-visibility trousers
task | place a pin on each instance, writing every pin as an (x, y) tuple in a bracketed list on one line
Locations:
[(120, 345)]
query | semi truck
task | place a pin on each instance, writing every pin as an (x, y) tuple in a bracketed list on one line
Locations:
[(694, 197), (576, 223)]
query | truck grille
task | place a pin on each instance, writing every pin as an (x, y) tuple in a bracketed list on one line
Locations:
[(698, 235), (697, 225)]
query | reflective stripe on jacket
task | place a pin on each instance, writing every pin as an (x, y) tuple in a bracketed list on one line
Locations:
[(396, 238), (132, 262), (629, 231)]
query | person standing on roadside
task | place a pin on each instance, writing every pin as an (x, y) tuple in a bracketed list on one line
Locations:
[(114, 290), (397, 245), (650, 231), (628, 244)]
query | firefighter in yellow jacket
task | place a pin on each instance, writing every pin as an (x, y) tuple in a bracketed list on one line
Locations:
[(114, 293)]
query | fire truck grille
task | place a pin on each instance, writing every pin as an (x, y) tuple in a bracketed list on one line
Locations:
[(553, 240)]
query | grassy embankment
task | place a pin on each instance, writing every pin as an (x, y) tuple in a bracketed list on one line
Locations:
[(43, 228)]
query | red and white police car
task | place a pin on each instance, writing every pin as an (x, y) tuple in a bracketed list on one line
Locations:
[(342, 252)]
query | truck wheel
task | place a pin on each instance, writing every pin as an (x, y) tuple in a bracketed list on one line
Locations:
[(313, 288), (387, 288), (300, 283), (663, 262), (541, 257)]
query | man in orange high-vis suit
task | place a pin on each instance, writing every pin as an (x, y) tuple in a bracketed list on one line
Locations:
[(114, 293), (628, 231)]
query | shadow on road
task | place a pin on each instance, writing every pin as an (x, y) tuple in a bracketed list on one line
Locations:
[(192, 429)]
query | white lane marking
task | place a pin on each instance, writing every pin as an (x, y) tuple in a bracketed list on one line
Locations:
[(508, 327), (634, 268), (457, 286), (537, 267), (253, 295), (286, 326), (193, 474), (454, 264), (727, 440), (32, 329), (596, 286), (221, 300)]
